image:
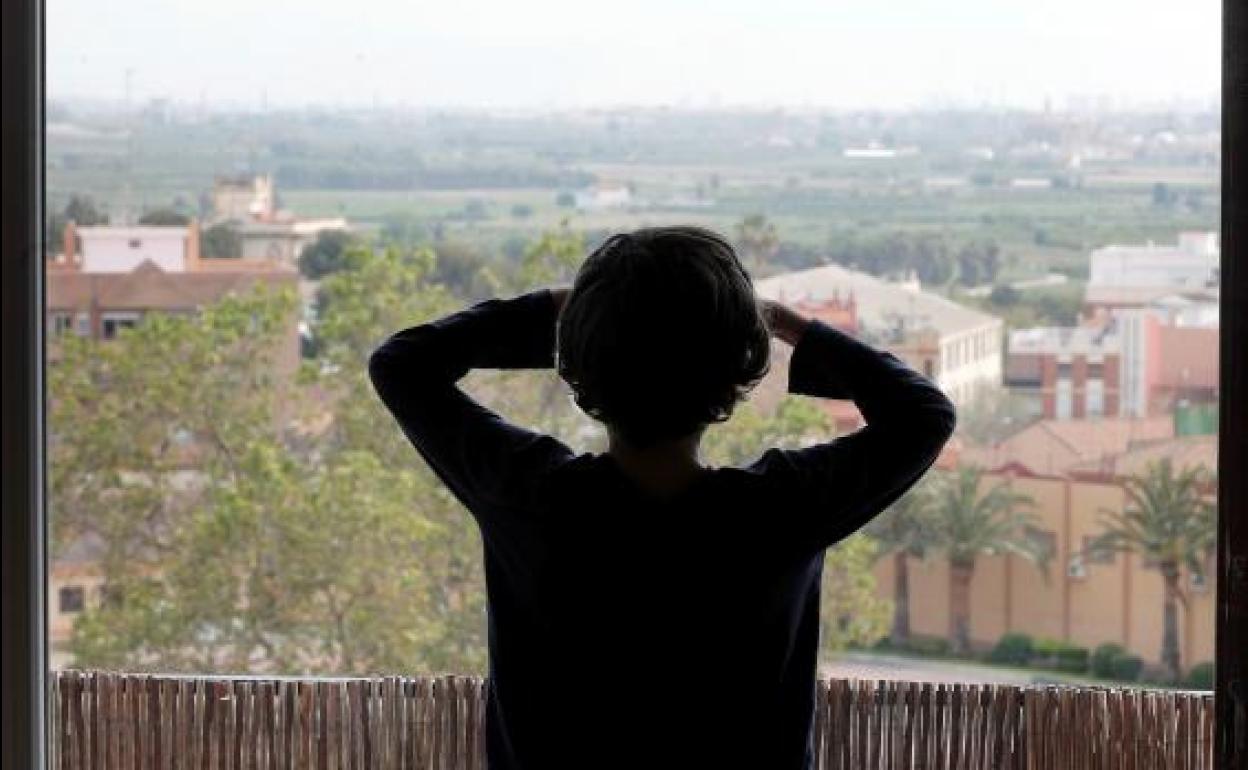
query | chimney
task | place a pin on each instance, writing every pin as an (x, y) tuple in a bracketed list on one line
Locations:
[(192, 264), (69, 244)]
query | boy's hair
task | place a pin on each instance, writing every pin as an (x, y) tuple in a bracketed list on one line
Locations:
[(661, 333)]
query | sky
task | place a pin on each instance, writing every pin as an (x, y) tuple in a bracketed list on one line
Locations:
[(848, 54)]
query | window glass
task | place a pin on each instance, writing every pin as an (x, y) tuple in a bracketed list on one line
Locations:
[(244, 199)]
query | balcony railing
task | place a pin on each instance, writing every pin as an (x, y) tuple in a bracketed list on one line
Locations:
[(109, 720)]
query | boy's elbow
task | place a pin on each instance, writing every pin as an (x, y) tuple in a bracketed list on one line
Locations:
[(380, 366), (950, 423), (942, 418)]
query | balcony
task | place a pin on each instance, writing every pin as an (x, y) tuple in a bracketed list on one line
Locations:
[(111, 720)]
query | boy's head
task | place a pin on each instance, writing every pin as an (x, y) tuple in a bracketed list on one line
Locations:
[(661, 333)]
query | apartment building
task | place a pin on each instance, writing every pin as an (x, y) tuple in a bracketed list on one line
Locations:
[(958, 347), (1127, 363)]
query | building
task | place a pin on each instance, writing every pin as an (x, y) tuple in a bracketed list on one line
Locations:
[(122, 273), (1129, 363), (249, 205), (960, 348), (604, 197), (1084, 601), (240, 198), (283, 239), (1137, 276)]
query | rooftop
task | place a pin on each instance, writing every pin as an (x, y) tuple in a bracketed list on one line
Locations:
[(1057, 446), (147, 287), (881, 306), (1183, 452)]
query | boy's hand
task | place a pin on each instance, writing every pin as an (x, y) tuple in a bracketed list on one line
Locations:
[(785, 324)]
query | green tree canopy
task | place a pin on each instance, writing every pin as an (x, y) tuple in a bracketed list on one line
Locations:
[(221, 240), (164, 217), (325, 255)]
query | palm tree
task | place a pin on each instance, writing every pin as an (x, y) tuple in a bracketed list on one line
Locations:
[(1168, 520), (903, 531), (968, 522)]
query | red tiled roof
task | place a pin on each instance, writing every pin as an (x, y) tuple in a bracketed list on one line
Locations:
[(1056, 446), (1183, 452), (147, 287)]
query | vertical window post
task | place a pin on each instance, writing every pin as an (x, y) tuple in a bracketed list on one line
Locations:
[(23, 610)]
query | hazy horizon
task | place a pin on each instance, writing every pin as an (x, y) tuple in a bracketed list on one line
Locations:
[(561, 54)]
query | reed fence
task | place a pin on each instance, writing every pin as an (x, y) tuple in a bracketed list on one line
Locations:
[(112, 721)]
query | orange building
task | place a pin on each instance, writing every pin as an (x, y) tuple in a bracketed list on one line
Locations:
[(1085, 602)]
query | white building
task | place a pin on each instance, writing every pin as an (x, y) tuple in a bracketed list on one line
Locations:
[(1192, 263), (281, 239), (117, 249), (960, 348), (603, 197)]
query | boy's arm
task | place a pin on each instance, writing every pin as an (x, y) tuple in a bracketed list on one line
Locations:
[(849, 480), (487, 462)]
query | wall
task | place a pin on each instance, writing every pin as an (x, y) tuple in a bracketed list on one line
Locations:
[(1118, 602), (120, 250)]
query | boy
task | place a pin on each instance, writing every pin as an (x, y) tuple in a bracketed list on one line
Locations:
[(647, 611)]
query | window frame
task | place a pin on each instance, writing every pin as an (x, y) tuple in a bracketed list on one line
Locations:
[(23, 542)]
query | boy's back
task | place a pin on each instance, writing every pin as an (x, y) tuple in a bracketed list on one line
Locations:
[(647, 610), (662, 626), (633, 630)]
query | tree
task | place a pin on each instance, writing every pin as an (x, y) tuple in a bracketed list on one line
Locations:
[(1163, 195), (1169, 520), (994, 414), (1004, 295), (83, 211), (221, 240), (324, 255), (164, 217), (904, 531), (850, 612), (968, 522), (80, 210), (757, 240)]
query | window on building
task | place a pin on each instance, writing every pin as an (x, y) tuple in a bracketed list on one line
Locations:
[(71, 599), (1096, 370), (82, 325), (60, 323), (1064, 370), (111, 324)]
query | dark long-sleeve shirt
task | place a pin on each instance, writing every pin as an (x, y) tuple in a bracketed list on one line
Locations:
[(627, 630)]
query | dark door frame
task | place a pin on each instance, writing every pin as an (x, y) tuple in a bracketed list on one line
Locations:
[(23, 541), (1231, 694)]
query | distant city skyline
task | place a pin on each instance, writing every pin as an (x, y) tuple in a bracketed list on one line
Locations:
[(560, 54)]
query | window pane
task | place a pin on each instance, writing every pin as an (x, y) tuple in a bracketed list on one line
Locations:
[(243, 202)]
